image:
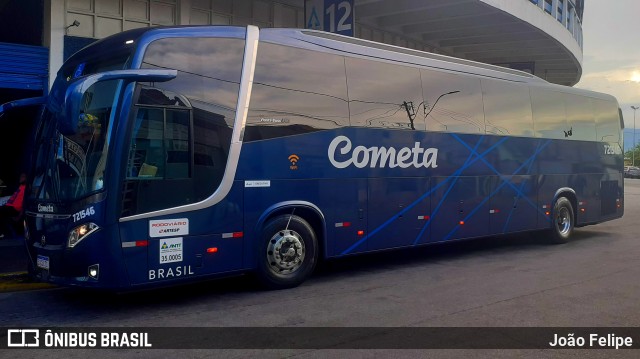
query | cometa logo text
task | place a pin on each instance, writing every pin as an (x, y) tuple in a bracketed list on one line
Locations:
[(45, 208), (381, 157)]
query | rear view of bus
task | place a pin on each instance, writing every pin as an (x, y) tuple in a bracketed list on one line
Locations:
[(124, 138)]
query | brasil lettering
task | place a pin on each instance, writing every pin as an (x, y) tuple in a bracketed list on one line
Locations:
[(162, 273), (381, 157)]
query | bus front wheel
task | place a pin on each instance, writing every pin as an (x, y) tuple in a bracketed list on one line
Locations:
[(562, 221), (288, 252)]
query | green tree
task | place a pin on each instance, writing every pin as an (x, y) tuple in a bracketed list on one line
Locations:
[(633, 152)]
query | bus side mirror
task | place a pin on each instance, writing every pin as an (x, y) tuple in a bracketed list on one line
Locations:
[(32, 101), (70, 115)]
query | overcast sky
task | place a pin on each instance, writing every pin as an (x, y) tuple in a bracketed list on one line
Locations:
[(611, 64)]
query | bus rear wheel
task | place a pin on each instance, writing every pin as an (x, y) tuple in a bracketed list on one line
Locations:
[(562, 221), (287, 253)]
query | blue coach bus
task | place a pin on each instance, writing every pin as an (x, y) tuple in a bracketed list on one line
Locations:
[(172, 154)]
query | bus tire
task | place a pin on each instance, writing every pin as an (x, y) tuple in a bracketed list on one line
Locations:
[(562, 221), (288, 252)]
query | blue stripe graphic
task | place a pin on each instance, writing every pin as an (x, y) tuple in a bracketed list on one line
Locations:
[(453, 176), (451, 181)]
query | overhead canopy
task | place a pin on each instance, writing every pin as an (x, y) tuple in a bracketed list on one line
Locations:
[(496, 32)]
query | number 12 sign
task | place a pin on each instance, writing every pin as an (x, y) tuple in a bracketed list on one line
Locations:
[(329, 15)]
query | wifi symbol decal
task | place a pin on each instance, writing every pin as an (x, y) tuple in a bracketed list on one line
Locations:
[(294, 161)]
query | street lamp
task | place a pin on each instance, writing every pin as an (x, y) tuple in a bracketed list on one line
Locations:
[(426, 114), (633, 154)]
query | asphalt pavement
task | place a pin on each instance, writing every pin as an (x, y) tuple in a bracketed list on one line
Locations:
[(14, 262), (13, 256)]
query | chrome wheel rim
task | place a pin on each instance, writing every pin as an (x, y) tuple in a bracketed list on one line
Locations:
[(563, 221), (285, 252)]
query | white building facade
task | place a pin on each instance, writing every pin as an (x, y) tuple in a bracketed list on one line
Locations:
[(539, 36)]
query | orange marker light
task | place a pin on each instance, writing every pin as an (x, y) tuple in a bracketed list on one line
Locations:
[(462, 223), (212, 250), (361, 233)]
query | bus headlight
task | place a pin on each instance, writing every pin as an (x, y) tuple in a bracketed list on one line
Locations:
[(81, 232), (94, 271)]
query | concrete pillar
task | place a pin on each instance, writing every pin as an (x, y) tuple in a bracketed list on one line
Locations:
[(54, 28), (184, 12), (278, 20)]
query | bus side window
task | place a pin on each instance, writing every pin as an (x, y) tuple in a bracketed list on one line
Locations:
[(507, 108), (549, 116), (391, 98), (182, 133), (607, 121), (452, 102), (580, 118), (145, 154), (177, 144), (296, 91)]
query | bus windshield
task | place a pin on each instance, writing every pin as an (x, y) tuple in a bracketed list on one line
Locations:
[(70, 166)]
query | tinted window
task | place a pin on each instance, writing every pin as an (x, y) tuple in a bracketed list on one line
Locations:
[(549, 118), (208, 71), (160, 146), (296, 91), (507, 108), (452, 102), (607, 121), (384, 95), (211, 138), (81, 157), (181, 132), (580, 117)]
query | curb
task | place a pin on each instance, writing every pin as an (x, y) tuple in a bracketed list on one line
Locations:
[(20, 281)]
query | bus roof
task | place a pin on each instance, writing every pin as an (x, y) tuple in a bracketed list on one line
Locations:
[(349, 46), (321, 40), (372, 49)]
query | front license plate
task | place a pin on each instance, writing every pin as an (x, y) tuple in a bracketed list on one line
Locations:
[(43, 262)]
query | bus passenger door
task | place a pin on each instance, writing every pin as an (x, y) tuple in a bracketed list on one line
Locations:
[(399, 210)]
